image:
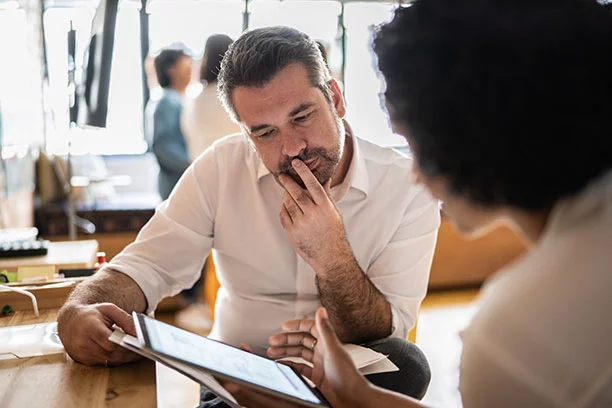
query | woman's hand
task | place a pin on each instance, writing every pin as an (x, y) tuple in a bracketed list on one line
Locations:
[(333, 371)]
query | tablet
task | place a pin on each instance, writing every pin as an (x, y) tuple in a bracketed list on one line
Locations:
[(227, 362)]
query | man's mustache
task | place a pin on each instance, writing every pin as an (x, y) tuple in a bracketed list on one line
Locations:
[(305, 156)]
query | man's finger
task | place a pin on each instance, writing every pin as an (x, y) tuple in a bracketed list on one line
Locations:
[(315, 189), (246, 347), (118, 316), (291, 351), (284, 216), (123, 356), (299, 325), (294, 210), (327, 188), (293, 339), (300, 196), (90, 354), (99, 335)]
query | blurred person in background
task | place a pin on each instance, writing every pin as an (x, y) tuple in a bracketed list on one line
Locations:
[(173, 70), (204, 118)]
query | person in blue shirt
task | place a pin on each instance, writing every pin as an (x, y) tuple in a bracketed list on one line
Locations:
[(173, 70)]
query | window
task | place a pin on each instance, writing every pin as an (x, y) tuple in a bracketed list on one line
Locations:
[(123, 133), (363, 86), (20, 84), (172, 21), (318, 19), (192, 22), (57, 23)]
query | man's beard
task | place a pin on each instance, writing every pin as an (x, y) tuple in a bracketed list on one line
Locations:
[(327, 162)]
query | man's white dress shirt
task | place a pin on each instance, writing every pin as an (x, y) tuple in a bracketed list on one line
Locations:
[(543, 334), (228, 201)]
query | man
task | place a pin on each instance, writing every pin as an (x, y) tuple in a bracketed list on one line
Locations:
[(506, 106), (300, 212)]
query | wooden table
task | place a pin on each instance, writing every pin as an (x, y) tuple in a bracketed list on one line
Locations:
[(58, 381), (61, 255)]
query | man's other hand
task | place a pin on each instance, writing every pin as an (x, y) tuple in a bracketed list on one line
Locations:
[(84, 331), (298, 339)]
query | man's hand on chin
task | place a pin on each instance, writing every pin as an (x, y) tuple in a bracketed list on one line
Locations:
[(313, 221)]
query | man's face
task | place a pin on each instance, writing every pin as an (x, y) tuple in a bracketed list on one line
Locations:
[(289, 118)]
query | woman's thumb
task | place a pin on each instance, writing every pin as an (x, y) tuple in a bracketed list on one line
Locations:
[(325, 330)]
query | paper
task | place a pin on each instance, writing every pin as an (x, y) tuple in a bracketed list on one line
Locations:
[(364, 357), (366, 360), (32, 272), (29, 341), (383, 366), (195, 373)]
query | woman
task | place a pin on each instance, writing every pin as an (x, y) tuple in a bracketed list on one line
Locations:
[(204, 119), (506, 106)]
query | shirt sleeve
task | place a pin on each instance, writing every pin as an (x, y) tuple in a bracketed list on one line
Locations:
[(169, 143), (401, 271), (170, 250)]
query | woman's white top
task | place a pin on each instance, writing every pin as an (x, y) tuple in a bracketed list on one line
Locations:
[(543, 334)]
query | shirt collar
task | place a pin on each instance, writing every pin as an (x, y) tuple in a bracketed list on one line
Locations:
[(357, 174)]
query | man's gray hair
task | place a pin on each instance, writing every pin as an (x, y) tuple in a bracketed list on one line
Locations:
[(258, 55)]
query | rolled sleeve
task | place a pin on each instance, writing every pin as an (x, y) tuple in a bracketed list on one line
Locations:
[(401, 271), (170, 250)]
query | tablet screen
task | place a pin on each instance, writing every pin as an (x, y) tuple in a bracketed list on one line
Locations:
[(227, 360)]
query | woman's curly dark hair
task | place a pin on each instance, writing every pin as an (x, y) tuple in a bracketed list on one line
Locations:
[(509, 100)]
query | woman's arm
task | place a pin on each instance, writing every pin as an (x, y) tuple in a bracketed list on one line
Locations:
[(333, 371)]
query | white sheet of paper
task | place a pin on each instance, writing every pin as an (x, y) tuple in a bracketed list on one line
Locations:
[(366, 360), (29, 341), (382, 366)]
